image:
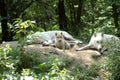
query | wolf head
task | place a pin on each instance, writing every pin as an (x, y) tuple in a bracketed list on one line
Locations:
[(98, 40), (59, 36)]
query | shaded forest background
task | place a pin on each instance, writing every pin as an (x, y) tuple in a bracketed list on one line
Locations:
[(78, 17)]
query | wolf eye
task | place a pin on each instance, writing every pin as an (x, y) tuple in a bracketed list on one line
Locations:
[(98, 41)]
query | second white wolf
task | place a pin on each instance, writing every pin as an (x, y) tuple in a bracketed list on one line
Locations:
[(101, 42)]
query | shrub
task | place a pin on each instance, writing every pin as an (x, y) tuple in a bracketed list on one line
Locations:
[(52, 69), (7, 63), (82, 73), (112, 64)]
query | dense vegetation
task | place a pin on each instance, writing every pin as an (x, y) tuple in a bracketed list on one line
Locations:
[(80, 18), (76, 17)]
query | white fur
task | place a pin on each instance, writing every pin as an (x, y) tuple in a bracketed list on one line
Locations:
[(48, 37), (60, 41), (102, 41)]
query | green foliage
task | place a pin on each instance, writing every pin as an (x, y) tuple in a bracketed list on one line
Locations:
[(44, 14), (54, 69), (11, 60), (91, 73), (29, 60), (6, 62), (53, 61), (112, 64), (95, 15), (22, 28)]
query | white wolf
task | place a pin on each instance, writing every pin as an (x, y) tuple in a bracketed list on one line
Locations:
[(60, 42), (48, 37), (101, 42)]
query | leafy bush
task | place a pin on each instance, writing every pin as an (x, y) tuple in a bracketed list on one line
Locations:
[(81, 73), (22, 28), (7, 63), (112, 64), (45, 66), (51, 69)]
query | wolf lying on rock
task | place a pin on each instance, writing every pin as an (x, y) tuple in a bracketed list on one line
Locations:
[(102, 42), (48, 37)]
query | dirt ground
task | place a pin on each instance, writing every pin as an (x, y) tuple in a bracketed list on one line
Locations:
[(85, 57)]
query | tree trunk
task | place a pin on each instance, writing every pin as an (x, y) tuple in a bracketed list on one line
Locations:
[(61, 15), (3, 12), (93, 2), (78, 21), (79, 11), (115, 16), (72, 12)]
